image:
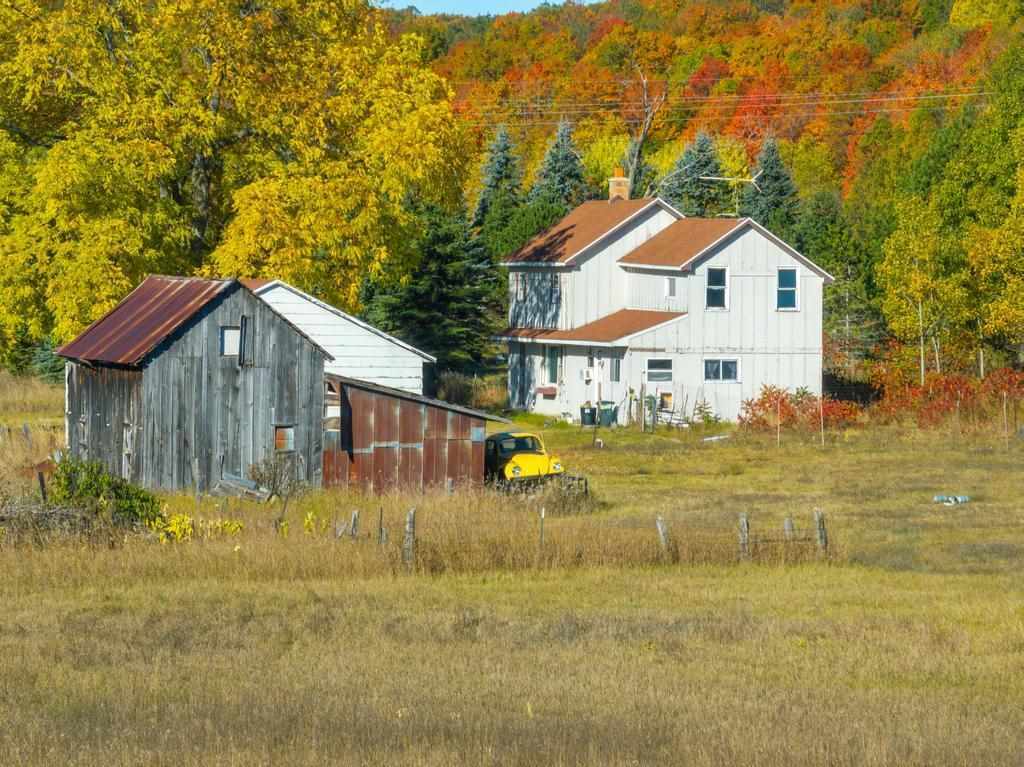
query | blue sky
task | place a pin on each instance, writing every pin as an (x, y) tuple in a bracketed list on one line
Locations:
[(466, 7)]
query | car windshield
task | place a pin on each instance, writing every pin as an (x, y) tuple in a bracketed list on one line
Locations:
[(519, 445)]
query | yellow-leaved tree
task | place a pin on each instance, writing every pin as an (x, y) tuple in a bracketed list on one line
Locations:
[(278, 138)]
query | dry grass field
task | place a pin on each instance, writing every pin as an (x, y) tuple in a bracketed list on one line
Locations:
[(904, 647)]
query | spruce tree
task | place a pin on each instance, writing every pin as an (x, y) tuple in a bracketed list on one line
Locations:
[(773, 203), (502, 177), (450, 305), (560, 177), (686, 185)]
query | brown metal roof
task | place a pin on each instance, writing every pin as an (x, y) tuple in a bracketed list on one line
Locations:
[(682, 241), (146, 316), (254, 283), (359, 383), (583, 225), (606, 330)]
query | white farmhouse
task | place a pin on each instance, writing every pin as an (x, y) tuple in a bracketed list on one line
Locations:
[(623, 294), (359, 350)]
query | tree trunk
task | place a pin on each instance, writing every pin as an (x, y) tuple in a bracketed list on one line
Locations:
[(920, 328), (938, 357), (201, 183)]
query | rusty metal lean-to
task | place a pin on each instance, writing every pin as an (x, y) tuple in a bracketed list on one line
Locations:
[(384, 438)]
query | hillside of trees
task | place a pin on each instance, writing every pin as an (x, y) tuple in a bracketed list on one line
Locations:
[(387, 160), (889, 133)]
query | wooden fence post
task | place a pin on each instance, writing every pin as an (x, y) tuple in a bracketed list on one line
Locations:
[(380, 526), (744, 536), (542, 515), (1006, 424), (821, 532), (353, 526), (42, 485), (409, 545), (659, 523), (27, 434), (788, 529)]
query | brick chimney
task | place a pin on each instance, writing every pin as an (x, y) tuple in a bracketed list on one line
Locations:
[(618, 186)]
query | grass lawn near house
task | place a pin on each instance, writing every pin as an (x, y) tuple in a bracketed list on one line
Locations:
[(907, 648)]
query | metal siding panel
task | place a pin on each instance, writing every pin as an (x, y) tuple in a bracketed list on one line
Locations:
[(429, 463)]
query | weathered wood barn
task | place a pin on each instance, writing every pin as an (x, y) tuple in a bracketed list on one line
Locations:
[(188, 382), (188, 369)]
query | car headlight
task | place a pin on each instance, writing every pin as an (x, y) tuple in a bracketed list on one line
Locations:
[(556, 466), (516, 471)]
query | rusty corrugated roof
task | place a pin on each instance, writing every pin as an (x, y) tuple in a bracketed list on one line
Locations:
[(146, 316), (606, 330), (389, 391), (583, 225), (680, 242)]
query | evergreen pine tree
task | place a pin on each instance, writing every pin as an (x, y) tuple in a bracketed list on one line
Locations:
[(450, 305), (773, 202), (502, 177), (684, 186), (560, 176)]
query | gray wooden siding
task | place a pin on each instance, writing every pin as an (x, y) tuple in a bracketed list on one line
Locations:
[(189, 401), (103, 418)]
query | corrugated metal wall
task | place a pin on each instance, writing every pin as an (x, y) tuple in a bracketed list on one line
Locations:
[(386, 442)]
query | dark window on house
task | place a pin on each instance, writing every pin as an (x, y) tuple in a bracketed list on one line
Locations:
[(786, 293), (717, 288), (670, 287), (230, 340), (659, 370), (551, 358), (615, 374), (556, 288), (284, 439), (721, 370)]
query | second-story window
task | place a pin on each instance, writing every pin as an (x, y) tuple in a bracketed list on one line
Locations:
[(520, 286), (556, 288), (718, 288), (786, 292), (670, 287)]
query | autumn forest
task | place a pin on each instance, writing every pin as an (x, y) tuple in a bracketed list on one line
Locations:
[(345, 148)]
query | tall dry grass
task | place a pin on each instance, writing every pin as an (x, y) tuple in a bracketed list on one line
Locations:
[(25, 399)]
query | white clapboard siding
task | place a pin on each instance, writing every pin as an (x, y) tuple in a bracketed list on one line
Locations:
[(359, 350)]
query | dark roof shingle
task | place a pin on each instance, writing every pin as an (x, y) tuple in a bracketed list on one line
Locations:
[(606, 330), (681, 241), (583, 225)]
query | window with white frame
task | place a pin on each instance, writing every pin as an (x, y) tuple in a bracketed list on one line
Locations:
[(786, 298), (670, 287), (230, 340), (520, 287), (552, 356), (556, 287), (717, 288), (615, 371), (659, 370), (721, 370)]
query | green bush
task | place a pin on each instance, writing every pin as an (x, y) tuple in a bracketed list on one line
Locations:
[(87, 485)]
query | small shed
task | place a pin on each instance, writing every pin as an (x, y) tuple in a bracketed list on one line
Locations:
[(188, 381), (379, 438), (359, 349)]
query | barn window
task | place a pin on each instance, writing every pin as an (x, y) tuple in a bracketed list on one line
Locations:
[(721, 370), (717, 290), (786, 292), (284, 439), (556, 288), (659, 370), (670, 287), (520, 287), (230, 340)]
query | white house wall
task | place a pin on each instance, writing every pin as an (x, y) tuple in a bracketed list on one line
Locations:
[(648, 290), (598, 286), (357, 351)]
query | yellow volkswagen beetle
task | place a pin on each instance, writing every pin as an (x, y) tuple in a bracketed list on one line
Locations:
[(519, 457)]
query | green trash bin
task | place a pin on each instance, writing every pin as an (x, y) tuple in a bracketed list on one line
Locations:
[(609, 414), (588, 416)]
